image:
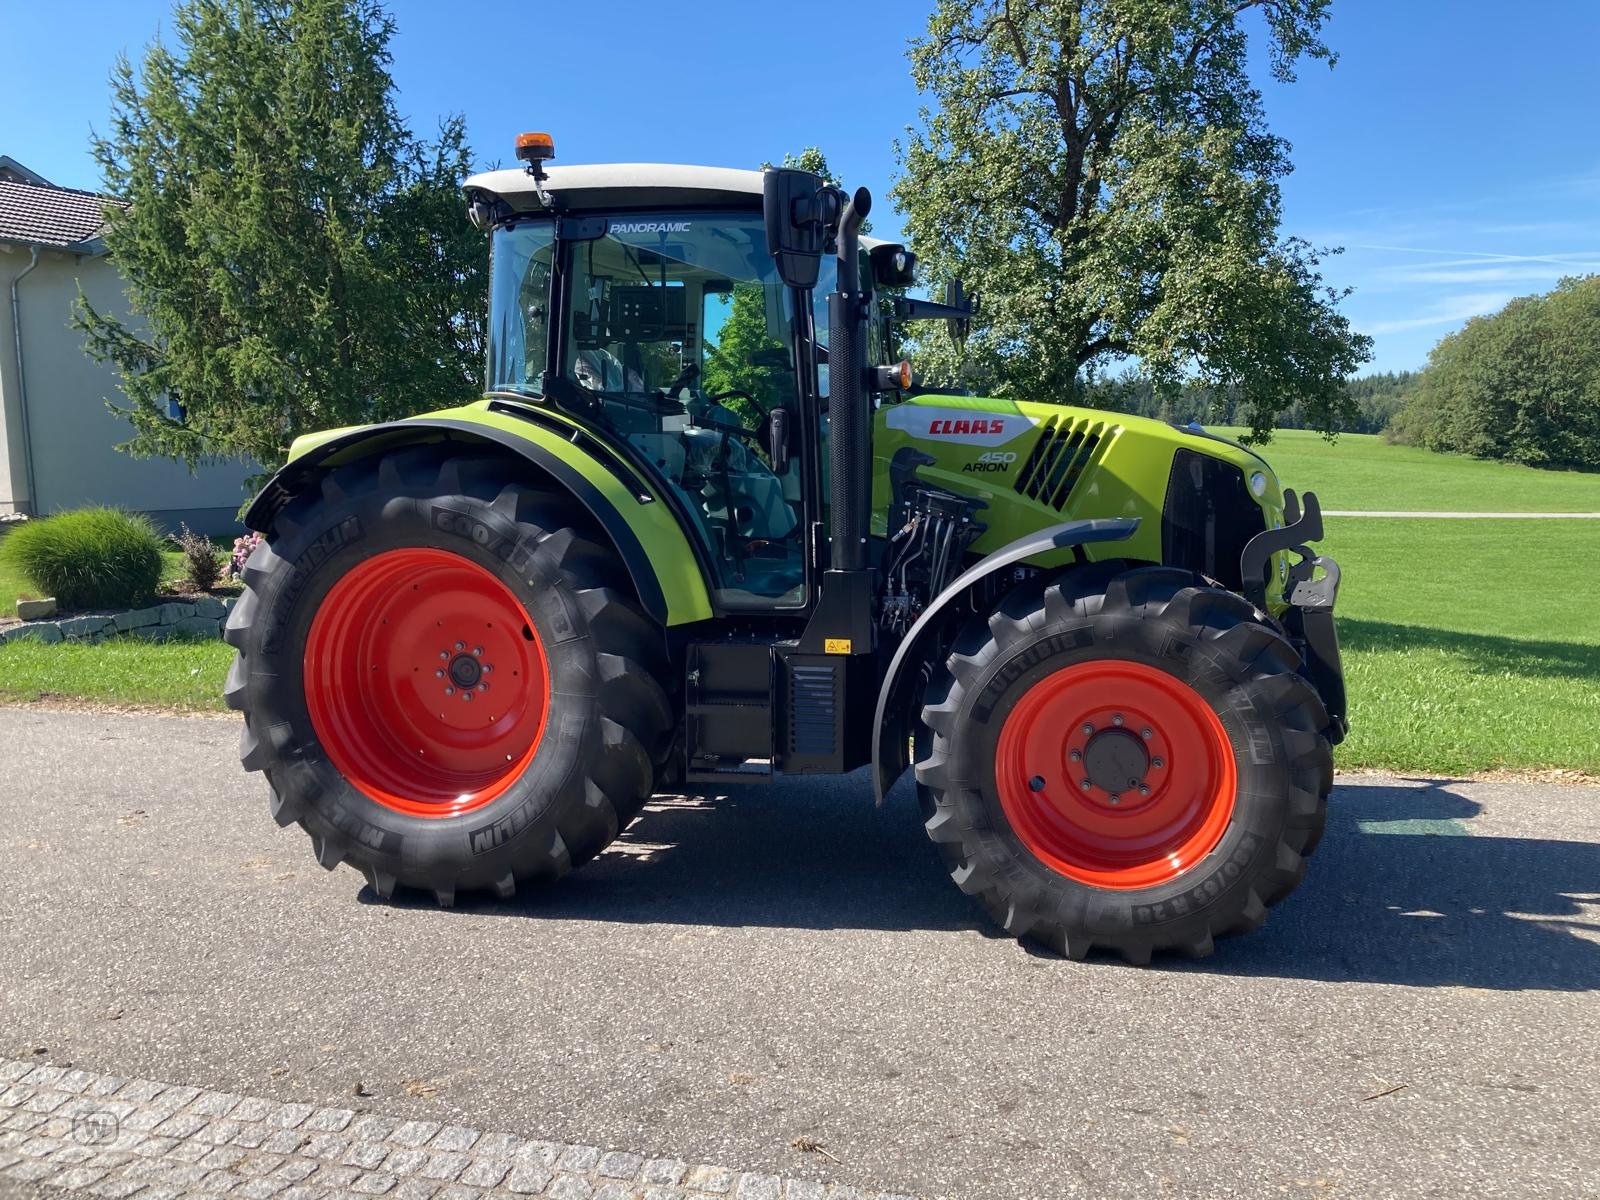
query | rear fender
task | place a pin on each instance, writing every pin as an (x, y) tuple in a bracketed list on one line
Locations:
[(920, 644), (647, 537)]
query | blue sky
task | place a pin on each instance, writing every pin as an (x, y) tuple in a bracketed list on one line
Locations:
[(1454, 151)]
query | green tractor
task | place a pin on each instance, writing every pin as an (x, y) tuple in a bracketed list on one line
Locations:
[(703, 529)]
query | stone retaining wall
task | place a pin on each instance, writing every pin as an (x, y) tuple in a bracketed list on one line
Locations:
[(174, 618)]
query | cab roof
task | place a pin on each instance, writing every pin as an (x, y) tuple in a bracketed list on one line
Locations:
[(622, 185)]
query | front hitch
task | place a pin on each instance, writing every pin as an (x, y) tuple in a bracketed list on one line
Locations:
[(1310, 597)]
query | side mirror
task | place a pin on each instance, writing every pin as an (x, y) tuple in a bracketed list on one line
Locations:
[(777, 439), (800, 212), (893, 266), (955, 297)]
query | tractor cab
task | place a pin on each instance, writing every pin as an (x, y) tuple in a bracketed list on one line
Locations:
[(644, 299)]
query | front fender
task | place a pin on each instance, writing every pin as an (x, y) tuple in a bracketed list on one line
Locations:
[(661, 563), (890, 758)]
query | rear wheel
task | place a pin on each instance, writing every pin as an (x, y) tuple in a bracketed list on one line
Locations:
[(1126, 759), (443, 679)]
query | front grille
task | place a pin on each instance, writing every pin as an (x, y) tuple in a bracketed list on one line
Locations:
[(1059, 459), (813, 705), (1208, 517)]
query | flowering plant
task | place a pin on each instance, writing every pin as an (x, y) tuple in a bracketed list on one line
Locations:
[(242, 546)]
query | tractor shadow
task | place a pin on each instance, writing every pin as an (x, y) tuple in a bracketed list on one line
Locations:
[(1398, 892)]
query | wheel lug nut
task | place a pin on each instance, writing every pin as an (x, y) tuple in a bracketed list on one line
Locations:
[(449, 691), (1088, 728), (1115, 799), (439, 674), (1076, 755), (461, 645), (1117, 720), (1146, 733), (1087, 785), (1144, 789), (467, 695), (444, 654), (477, 652), (1156, 762), (1036, 783), (487, 667)]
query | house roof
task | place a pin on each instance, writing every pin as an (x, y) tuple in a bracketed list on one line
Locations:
[(42, 214)]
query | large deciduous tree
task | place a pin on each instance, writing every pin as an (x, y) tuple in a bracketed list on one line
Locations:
[(295, 258), (1102, 173)]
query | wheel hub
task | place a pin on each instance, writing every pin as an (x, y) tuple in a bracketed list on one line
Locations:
[(1115, 761), (465, 671)]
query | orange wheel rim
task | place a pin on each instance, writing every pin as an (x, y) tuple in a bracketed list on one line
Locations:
[(1115, 774), (426, 682)]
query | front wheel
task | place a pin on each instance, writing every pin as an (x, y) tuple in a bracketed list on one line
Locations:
[(1125, 759)]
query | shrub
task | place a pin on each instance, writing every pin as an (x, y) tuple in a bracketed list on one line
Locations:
[(243, 547), (202, 561), (91, 558)]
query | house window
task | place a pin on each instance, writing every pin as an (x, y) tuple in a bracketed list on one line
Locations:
[(175, 410)]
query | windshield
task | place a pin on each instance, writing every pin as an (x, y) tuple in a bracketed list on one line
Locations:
[(676, 333)]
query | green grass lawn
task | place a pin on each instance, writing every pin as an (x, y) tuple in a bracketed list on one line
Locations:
[(1362, 471), (124, 671), (1469, 645)]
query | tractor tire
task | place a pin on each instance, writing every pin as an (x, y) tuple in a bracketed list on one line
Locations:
[(1125, 759), (445, 681)]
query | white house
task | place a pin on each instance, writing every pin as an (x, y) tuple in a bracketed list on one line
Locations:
[(57, 438)]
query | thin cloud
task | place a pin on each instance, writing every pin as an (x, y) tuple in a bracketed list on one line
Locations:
[(1453, 311)]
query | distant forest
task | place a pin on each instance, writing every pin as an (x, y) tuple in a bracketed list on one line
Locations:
[(1378, 397)]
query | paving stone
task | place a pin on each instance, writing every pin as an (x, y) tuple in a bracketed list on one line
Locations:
[(485, 1172), (44, 1076), (579, 1158), (804, 1189), (665, 1193), (144, 1120), (327, 1145), (14, 1095), (214, 1104), (75, 1081), (11, 1070), (304, 1193), (458, 1191), (620, 1164), (30, 1170), (77, 1177), (706, 1178), (190, 1151), (666, 1171), (45, 1101), (407, 1162), (156, 1146), (455, 1137), (251, 1136), (261, 1188), (284, 1141), (289, 1116), (23, 1122), (174, 1098), (414, 1189), (497, 1145), (253, 1108), (371, 1127), (571, 1187), (414, 1134), (529, 1180), (374, 1183), (616, 1190), (223, 1157), (329, 1120), (69, 1156), (543, 1153), (759, 1188), (294, 1170), (117, 1189), (331, 1176), (181, 1125), (219, 1133), (141, 1091), (366, 1155), (105, 1085), (444, 1165)]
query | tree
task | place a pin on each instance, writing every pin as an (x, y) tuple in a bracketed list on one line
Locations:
[(295, 258), (1100, 171), (1521, 385)]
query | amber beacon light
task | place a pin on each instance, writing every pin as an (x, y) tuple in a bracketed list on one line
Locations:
[(535, 147)]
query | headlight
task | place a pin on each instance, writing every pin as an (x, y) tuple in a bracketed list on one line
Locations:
[(1258, 484)]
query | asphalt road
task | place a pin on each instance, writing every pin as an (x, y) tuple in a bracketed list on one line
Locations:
[(1421, 1019)]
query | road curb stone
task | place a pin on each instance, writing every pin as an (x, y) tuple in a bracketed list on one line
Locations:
[(138, 1139)]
